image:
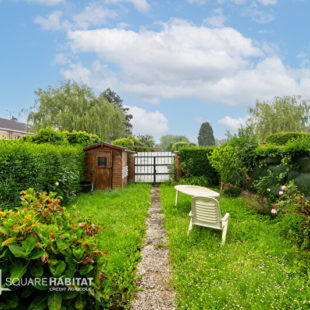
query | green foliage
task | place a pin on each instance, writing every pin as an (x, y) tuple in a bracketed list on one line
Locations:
[(257, 268), (223, 160), (282, 138), (124, 142), (232, 191), (115, 99), (124, 211), (206, 136), (147, 140), (43, 240), (40, 166), (133, 143), (177, 145), (294, 211), (81, 138), (195, 163), (235, 161), (75, 107), (282, 114), (167, 141), (49, 135)]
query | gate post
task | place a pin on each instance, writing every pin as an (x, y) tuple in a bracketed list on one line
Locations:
[(177, 162), (154, 170), (132, 167)]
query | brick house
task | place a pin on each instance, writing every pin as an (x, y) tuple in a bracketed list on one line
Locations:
[(12, 129)]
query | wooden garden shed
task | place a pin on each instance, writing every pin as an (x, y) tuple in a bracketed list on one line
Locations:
[(106, 165)]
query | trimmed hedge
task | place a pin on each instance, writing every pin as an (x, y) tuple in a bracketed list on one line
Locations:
[(282, 138), (46, 167), (57, 137), (195, 162)]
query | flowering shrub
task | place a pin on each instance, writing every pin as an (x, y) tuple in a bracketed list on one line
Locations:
[(48, 257)]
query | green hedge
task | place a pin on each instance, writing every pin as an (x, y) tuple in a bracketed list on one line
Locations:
[(57, 137), (282, 138), (26, 165), (194, 162)]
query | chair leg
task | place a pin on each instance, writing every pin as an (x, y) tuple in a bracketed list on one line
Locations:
[(225, 226), (176, 197), (190, 227)]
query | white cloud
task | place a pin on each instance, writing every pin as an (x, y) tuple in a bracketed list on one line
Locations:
[(184, 61), (141, 5), (46, 2), (77, 73), (93, 15), (197, 1), (233, 123), (145, 122), (217, 19), (52, 21), (268, 2)]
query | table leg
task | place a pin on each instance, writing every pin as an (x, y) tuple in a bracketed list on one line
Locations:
[(176, 197)]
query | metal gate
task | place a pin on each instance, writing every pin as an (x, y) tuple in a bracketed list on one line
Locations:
[(153, 167)]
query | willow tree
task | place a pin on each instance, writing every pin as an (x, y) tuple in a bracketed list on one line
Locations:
[(282, 114), (75, 107)]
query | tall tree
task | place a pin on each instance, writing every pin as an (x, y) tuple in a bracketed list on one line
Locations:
[(167, 141), (147, 140), (75, 107), (206, 136), (115, 99), (282, 114)]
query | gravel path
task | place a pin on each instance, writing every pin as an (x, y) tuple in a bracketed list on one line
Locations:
[(155, 291)]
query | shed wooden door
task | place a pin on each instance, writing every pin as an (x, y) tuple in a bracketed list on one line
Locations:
[(102, 169)]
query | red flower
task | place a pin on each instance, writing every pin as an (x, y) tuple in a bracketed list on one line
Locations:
[(86, 260)]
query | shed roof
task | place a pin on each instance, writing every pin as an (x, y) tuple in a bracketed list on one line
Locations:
[(12, 125), (102, 144)]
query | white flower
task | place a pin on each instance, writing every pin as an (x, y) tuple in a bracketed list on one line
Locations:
[(57, 183), (283, 188), (280, 193), (274, 211)]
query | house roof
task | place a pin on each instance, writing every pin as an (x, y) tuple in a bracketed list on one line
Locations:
[(102, 144), (13, 125)]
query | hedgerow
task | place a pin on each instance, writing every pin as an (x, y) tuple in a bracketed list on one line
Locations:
[(195, 163), (47, 167), (281, 138)]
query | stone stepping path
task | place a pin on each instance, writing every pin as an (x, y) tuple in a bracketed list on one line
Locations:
[(154, 290)]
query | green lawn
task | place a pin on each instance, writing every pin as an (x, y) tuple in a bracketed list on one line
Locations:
[(256, 268), (124, 213)]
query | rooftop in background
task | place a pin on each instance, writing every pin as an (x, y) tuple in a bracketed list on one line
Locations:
[(13, 125)]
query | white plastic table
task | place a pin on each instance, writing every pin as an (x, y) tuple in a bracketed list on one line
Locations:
[(194, 190)]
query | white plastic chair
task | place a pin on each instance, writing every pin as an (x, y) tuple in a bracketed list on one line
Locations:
[(206, 212)]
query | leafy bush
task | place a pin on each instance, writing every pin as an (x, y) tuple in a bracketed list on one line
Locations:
[(39, 166), (124, 142), (133, 143), (232, 191), (49, 135), (82, 138), (195, 163), (223, 160), (199, 181), (48, 248), (282, 138), (294, 211)]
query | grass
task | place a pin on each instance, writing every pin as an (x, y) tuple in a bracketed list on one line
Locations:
[(124, 213), (256, 269)]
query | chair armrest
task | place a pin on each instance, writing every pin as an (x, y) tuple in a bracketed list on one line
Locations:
[(225, 218), (190, 213)]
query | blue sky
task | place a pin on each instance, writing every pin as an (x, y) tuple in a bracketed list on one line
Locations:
[(175, 63)]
